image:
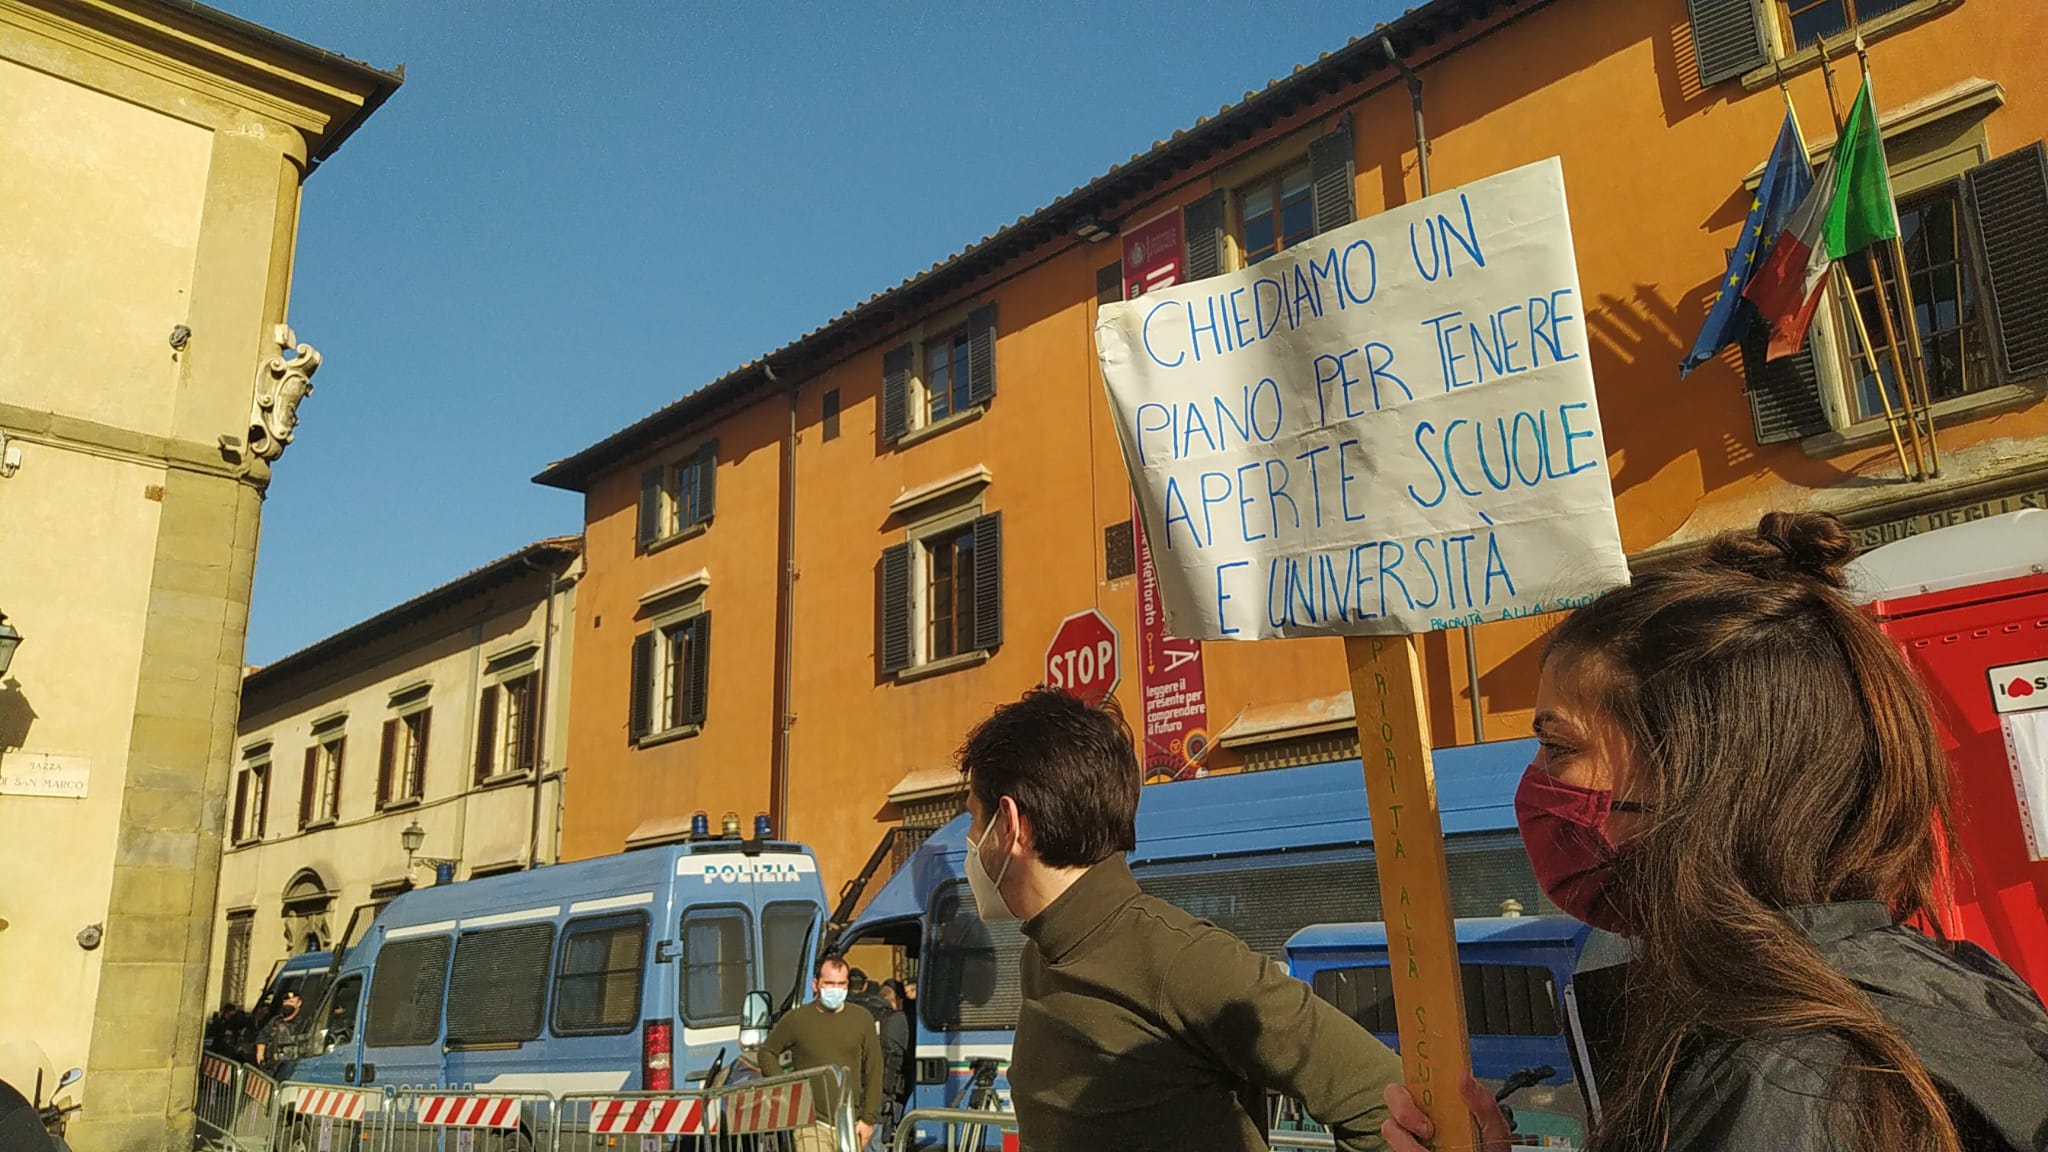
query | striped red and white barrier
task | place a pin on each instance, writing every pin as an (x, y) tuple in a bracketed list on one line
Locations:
[(218, 1069), (775, 1109), (678, 1116), (470, 1111), (256, 1088), (331, 1102)]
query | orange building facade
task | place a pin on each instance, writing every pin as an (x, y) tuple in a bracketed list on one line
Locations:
[(889, 518)]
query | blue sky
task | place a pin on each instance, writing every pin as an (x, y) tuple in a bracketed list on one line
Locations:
[(576, 212)]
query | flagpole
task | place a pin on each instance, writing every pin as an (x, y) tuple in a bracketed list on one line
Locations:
[(1884, 311), (1842, 285), (1905, 279)]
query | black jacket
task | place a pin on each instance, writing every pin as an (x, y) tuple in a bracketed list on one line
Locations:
[(1981, 1032)]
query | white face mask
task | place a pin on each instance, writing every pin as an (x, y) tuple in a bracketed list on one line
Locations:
[(988, 893)]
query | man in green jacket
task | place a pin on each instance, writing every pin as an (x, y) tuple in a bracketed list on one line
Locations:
[(1141, 1027), (829, 1031)]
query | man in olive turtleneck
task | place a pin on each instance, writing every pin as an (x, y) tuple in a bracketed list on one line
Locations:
[(1141, 1027)]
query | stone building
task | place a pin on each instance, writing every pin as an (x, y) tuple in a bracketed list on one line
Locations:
[(152, 154)]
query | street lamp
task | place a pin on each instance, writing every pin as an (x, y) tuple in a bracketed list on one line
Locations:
[(411, 839), (10, 639)]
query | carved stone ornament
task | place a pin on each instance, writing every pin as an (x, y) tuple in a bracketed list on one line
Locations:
[(280, 384)]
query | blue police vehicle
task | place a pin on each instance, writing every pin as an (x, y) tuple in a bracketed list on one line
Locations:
[(1262, 854), (619, 973), (1521, 1009)]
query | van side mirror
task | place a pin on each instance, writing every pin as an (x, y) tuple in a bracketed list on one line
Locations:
[(754, 1012)]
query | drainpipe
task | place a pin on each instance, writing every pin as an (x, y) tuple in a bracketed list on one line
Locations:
[(543, 770), (785, 626), (1422, 170)]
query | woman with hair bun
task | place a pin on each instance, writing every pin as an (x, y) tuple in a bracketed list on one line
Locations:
[(1739, 773)]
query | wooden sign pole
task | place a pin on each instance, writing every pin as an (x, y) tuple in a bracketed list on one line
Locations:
[(1415, 887)]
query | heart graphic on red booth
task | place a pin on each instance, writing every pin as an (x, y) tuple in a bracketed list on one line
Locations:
[(2019, 688)]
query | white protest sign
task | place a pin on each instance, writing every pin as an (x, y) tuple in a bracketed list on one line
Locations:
[(1388, 428)]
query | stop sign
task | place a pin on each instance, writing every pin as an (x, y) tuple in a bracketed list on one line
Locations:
[(1082, 658)]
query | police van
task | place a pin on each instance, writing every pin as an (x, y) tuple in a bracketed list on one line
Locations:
[(1261, 854), (1523, 991), (304, 974), (625, 972)]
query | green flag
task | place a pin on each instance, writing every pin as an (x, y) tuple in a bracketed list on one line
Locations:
[(1862, 211)]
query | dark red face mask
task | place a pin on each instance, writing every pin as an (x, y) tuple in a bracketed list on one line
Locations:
[(1564, 827)]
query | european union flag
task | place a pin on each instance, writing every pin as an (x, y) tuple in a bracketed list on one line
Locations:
[(1787, 178)]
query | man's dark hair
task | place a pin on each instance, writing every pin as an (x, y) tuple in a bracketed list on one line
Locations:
[(856, 979), (1069, 766), (832, 959)]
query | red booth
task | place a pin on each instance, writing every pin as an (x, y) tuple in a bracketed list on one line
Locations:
[(1968, 605)]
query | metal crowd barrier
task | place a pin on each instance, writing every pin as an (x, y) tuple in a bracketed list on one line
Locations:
[(467, 1120), (629, 1121), (1301, 1141), (959, 1129), (327, 1118), (220, 1095), (807, 1111)]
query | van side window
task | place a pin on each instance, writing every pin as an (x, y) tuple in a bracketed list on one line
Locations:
[(715, 962), (1265, 906), (597, 980), (499, 989), (405, 993), (785, 931), (968, 979), (339, 1021), (1500, 999)]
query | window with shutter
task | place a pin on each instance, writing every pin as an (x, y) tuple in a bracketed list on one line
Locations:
[(486, 731), (981, 354), (707, 482), (1202, 223), (414, 780), (521, 724), (2009, 206), (896, 608), (261, 774), (387, 762), (950, 571), (1109, 283), (640, 720), (241, 824), (234, 980), (896, 392), (1329, 161), (988, 582), (308, 786), (1727, 38), (1784, 395), (651, 505), (696, 691)]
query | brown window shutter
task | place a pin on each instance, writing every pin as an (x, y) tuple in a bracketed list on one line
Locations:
[(486, 730), (896, 621), (988, 581), (263, 805), (416, 781), (896, 393), (1109, 283), (2009, 204), (640, 720), (707, 480), (650, 505), (697, 677), (529, 724), (981, 354), (1202, 223), (244, 784), (1727, 39), (1784, 394), (306, 786), (334, 797), (387, 761), (1329, 159)]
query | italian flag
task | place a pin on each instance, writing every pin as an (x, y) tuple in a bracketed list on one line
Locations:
[(1849, 209)]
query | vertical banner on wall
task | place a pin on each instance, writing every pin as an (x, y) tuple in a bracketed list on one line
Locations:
[(1170, 680)]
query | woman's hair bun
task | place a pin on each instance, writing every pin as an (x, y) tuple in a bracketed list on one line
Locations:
[(1788, 546)]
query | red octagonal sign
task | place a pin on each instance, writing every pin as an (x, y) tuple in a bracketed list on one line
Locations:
[(1082, 659)]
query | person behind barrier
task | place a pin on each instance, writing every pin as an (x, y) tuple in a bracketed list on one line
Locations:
[(274, 1044), (896, 1059), (1141, 1027), (828, 1031), (1739, 772)]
